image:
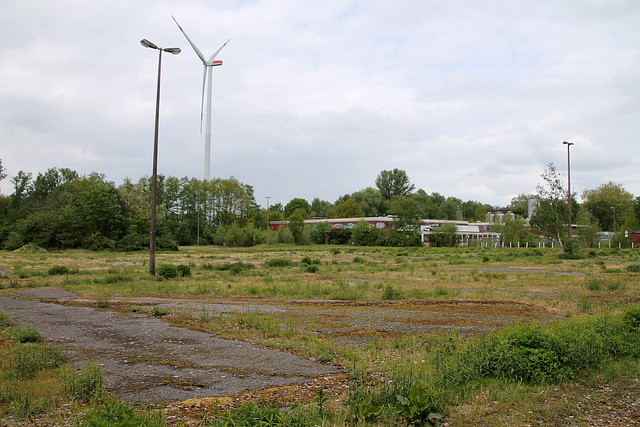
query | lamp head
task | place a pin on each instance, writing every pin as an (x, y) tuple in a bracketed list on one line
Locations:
[(147, 43), (567, 143), (172, 50)]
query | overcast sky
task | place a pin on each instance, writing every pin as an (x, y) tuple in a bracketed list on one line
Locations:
[(471, 98)]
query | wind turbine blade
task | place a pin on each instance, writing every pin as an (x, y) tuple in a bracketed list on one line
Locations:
[(217, 52), (204, 79), (195, 48)]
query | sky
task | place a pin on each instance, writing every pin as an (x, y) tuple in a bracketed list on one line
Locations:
[(471, 98)]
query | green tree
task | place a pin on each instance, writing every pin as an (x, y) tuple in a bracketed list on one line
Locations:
[(364, 234), (394, 183), (446, 235), (347, 209), (294, 205), (371, 202), (513, 231), (320, 208), (520, 205), (406, 211), (296, 225), (606, 201), (3, 175), (552, 214)]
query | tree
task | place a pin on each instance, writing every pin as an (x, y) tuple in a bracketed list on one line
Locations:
[(294, 205), (551, 216), (321, 208), (364, 234), (3, 175), (394, 183), (607, 201), (407, 213), (347, 209), (520, 205), (296, 225), (371, 202), (446, 235)]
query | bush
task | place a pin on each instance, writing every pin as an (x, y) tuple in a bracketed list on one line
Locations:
[(27, 335), (133, 242), (279, 262), (311, 269), (5, 319), (167, 271), (633, 268), (58, 270), (159, 311), (184, 270)]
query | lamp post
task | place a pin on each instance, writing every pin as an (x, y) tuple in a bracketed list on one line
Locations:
[(154, 180), (267, 197), (569, 144)]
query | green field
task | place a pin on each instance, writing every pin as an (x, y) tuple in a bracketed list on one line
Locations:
[(584, 343)]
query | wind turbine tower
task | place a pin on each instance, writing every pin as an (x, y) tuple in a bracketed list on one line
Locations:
[(207, 77)]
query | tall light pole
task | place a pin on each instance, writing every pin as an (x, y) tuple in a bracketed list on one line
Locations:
[(569, 144), (154, 179), (267, 197)]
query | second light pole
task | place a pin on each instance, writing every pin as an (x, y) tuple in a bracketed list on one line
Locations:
[(154, 181), (569, 144)]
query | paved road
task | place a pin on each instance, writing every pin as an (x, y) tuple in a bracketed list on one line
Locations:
[(148, 360)]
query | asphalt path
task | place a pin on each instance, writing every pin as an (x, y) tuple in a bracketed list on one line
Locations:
[(148, 360)]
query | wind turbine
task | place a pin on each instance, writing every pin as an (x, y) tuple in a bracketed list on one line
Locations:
[(208, 77)]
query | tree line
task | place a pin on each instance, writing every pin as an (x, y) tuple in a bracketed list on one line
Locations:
[(61, 209)]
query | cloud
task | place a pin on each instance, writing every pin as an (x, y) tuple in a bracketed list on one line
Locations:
[(315, 99)]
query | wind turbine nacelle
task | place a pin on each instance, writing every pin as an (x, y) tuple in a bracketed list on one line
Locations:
[(216, 63)]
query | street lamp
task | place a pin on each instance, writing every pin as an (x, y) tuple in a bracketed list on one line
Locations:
[(154, 182), (267, 197), (569, 144)]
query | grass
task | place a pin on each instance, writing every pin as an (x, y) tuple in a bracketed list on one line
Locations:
[(429, 372)]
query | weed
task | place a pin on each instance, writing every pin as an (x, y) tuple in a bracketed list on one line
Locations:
[(158, 311), (24, 407), (85, 385), (5, 319), (115, 413), (102, 303), (26, 360)]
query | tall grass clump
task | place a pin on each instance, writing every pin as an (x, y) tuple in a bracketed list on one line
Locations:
[(112, 413), (85, 385), (5, 319), (26, 360)]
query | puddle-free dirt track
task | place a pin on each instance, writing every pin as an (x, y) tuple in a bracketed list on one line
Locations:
[(148, 360)]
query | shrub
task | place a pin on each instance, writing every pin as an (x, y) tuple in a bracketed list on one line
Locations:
[(5, 319), (184, 270), (311, 269), (58, 270), (167, 271), (633, 268), (279, 262), (391, 293), (159, 311), (27, 335)]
